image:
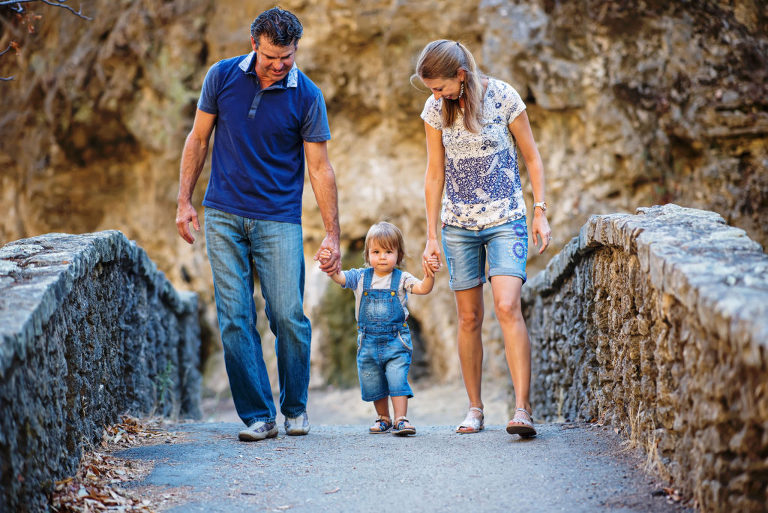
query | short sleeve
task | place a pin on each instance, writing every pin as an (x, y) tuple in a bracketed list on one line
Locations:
[(352, 278), (207, 102), (315, 127), (512, 104), (432, 114), (408, 281)]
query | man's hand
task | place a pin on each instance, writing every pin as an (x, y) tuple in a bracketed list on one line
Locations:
[(185, 214), (329, 256)]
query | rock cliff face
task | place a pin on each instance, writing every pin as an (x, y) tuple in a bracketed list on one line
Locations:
[(631, 104)]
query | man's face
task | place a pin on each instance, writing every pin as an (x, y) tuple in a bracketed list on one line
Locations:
[(273, 62)]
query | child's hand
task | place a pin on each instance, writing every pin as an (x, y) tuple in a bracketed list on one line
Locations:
[(325, 255), (434, 263)]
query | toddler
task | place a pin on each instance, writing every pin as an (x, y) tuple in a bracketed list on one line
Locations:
[(384, 341)]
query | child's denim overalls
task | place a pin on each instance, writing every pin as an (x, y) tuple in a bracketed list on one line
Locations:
[(383, 342)]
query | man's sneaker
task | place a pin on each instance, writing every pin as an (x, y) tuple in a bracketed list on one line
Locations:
[(297, 425), (258, 431)]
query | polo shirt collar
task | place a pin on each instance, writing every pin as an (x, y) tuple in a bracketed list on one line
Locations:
[(247, 65)]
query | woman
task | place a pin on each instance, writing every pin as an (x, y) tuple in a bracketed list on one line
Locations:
[(472, 122)]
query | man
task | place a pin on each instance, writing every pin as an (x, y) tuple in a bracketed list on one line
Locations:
[(268, 115)]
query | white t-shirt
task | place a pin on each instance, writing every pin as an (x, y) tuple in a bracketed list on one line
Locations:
[(482, 179)]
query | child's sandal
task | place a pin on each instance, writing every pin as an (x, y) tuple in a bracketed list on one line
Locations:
[(403, 427), (382, 425)]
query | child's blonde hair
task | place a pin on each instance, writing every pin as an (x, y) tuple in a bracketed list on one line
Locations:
[(388, 236)]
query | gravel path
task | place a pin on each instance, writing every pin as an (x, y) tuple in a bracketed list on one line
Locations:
[(568, 467)]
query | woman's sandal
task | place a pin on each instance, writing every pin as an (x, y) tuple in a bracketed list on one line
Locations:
[(521, 424), (382, 425), (403, 427), (472, 423)]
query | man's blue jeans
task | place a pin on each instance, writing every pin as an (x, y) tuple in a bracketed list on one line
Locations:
[(239, 249)]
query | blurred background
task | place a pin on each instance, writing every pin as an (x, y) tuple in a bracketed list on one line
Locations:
[(632, 103)]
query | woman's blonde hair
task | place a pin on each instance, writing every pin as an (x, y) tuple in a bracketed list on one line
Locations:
[(443, 59), (386, 235)]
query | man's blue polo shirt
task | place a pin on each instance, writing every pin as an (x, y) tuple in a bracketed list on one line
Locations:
[(257, 168)]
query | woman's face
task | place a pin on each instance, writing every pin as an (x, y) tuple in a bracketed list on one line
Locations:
[(444, 87)]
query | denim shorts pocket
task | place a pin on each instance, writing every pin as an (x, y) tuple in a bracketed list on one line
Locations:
[(405, 340), (359, 342)]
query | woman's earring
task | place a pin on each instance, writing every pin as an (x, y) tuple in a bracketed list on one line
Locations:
[(461, 90)]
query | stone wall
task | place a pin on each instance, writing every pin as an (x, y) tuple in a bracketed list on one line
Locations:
[(658, 324), (89, 329)]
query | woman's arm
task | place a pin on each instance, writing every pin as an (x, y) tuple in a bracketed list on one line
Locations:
[(521, 129), (434, 181)]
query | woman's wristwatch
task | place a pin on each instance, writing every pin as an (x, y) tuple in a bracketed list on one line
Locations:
[(541, 204)]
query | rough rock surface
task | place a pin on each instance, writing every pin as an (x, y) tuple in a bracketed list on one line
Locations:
[(89, 329), (632, 103), (658, 324)]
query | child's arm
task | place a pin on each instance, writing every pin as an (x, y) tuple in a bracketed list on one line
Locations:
[(425, 286), (338, 277)]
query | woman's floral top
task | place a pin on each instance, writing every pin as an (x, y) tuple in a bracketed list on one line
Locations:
[(482, 180)]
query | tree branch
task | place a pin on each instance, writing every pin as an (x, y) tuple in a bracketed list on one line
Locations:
[(15, 5)]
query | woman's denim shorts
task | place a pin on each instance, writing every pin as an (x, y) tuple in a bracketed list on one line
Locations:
[(504, 246)]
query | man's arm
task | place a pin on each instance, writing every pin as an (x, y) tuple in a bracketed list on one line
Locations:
[(192, 161), (323, 181)]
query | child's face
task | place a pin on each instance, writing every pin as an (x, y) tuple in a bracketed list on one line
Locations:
[(382, 260)]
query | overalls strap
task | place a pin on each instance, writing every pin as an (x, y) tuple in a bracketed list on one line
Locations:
[(394, 285), (367, 278)]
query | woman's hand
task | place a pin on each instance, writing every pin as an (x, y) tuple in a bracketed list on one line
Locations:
[(430, 260), (540, 229)]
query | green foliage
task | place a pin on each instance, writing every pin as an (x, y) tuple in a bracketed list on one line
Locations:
[(164, 384)]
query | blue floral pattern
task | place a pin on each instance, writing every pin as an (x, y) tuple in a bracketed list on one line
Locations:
[(482, 179)]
